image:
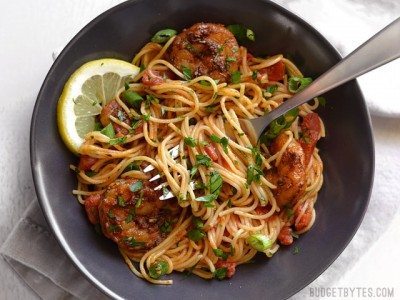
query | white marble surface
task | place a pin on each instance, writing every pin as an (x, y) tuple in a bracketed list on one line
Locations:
[(31, 30)]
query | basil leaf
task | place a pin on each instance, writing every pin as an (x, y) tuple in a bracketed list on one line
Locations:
[(136, 186), (163, 36), (297, 84), (230, 59), (108, 131), (146, 117)]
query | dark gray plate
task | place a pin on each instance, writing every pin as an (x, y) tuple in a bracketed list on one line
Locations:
[(347, 151)]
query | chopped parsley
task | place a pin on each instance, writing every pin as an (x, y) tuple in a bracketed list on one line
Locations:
[(220, 273), (191, 142), (235, 77), (220, 253), (117, 141), (254, 173)]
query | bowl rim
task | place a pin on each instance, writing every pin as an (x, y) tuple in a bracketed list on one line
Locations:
[(38, 183)]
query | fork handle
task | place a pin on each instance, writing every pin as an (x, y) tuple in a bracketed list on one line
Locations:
[(380, 49)]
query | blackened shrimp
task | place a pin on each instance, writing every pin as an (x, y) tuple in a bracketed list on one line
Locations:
[(206, 49), (290, 174), (134, 220)]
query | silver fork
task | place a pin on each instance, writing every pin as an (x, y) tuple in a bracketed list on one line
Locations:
[(380, 49)]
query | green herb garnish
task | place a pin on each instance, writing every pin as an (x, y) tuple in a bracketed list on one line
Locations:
[(220, 273), (297, 84), (136, 186), (108, 131), (187, 73), (220, 253), (163, 36), (191, 142), (259, 242), (235, 77)]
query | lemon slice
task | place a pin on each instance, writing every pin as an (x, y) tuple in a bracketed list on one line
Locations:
[(88, 89)]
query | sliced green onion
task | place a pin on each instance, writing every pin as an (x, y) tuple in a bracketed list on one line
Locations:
[(259, 242), (121, 201), (197, 223), (158, 269), (166, 227), (133, 166), (163, 36)]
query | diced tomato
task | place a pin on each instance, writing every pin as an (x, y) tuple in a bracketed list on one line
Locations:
[(275, 72), (305, 218), (119, 130), (211, 152), (310, 128), (92, 207), (285, 236), (151, 78), (229, 265), (86, 162)]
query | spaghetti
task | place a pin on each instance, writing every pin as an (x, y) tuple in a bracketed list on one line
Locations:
[(232, 198)]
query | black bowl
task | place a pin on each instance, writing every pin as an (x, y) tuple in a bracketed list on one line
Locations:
[(347, 151)]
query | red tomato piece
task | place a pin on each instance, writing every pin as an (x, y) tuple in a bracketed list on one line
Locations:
[(229, 265), (275, 72), (92, 207), (151, 78), (86, 162), (211, 152)]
